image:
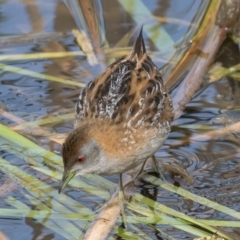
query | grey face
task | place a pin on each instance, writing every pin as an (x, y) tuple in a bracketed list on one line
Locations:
[(85, 158)]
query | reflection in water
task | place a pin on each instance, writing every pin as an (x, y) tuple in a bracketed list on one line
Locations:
[(36, 19), (59, 66)]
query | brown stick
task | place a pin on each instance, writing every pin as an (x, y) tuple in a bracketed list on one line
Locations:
[(194, 78), (104, 222)]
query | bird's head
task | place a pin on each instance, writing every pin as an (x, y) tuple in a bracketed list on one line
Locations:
[(81, 154)]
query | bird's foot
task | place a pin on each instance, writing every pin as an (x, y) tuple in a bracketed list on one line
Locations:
[(158, 168)]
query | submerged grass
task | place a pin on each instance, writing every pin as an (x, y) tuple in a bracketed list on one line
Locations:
[(40, 194), (217, 72)]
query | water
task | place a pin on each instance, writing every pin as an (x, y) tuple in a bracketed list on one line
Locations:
[(45, 26)]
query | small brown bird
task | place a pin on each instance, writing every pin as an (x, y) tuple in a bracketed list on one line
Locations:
[(122, 118)]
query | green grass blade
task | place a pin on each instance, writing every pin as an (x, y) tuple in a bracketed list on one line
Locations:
[(76, 182), (45, 195), (51, 159), (41, 214), (51, 223), (39, 189), (8, 68), (157, 217), (44, 121), (189, 195), (32, 149), (189, 224), (220, 223), (16, 57)]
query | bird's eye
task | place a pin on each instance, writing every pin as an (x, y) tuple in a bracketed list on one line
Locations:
[(80, 159)]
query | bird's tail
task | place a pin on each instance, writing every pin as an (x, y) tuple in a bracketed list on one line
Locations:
[(138, 48)]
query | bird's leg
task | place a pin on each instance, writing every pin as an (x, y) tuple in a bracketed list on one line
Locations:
[(157, 167), (140, 171), (122, 197), (137, 175)]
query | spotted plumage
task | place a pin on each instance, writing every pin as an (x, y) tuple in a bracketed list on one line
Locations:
[(130, 92), (122, 117)]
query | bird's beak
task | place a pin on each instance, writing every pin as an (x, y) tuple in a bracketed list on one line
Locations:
[(67, 176)]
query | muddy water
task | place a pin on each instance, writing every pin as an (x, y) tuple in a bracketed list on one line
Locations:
[(45, 26)]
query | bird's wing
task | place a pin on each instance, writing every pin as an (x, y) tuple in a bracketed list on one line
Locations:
[(130, 91), (127, 92)]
